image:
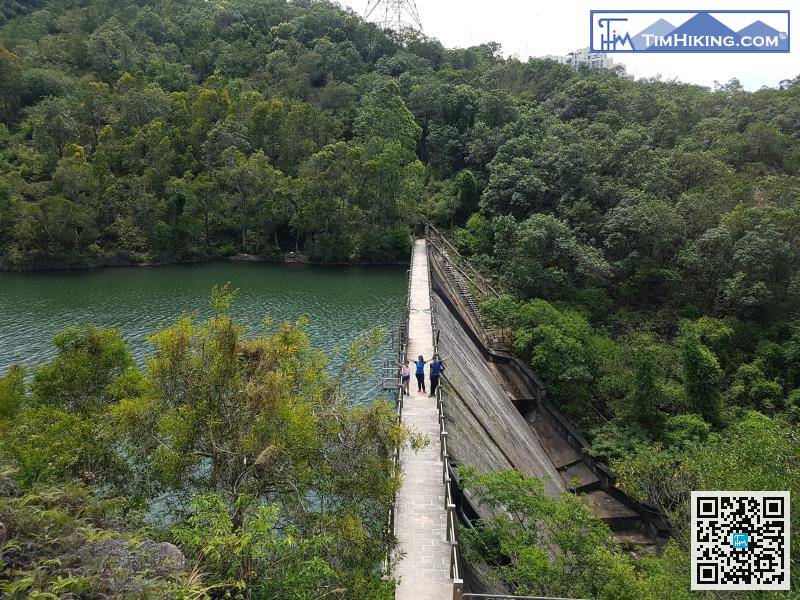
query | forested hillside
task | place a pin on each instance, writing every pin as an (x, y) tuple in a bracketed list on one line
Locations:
[(163, 131), (647, 233), (177, 130)]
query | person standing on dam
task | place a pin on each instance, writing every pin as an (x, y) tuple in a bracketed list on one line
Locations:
[(421, 373), (405, 376), (437, 366)]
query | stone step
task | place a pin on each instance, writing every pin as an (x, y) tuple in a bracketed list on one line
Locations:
[(579, 478), (611, 511), (633, 537)]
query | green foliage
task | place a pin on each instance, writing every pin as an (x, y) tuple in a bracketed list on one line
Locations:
[(702, 375), (291, 479), (12, 392), (541, 257), (538, 545), (300, 479), (50, 531), (88, 362), (475, 237), (156, 133), (731, 459), (647, 233), (383, 115), (258, 557), (560, 345), (47, 444), (176, 131)]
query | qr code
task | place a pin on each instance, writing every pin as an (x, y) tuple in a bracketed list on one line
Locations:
[(740, 541)]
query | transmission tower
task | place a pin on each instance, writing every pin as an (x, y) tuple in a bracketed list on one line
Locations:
[(399, 15)]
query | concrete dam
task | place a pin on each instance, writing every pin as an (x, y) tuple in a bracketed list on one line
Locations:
[(491, 413)]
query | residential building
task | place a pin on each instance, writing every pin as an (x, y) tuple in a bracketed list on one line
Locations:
[(592, 60)]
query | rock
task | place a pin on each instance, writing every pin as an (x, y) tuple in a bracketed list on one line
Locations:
[(8, 487), (162, 559), (19, 557), (3, 533)]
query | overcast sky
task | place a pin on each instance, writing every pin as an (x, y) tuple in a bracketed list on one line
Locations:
[(539, 27)]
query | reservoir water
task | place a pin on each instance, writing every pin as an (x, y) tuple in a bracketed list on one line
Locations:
[(340, 302)]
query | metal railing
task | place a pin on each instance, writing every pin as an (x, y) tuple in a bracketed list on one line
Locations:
[(478, 287), (476, 278), (451, 530), (449, 503), (402, 358)]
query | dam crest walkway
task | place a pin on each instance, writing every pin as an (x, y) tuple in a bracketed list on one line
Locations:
[(420, 518)]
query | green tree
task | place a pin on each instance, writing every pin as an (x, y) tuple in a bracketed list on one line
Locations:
[(383, 114), (702, 376), (47, 444), (542, 257), (54, 126), (537, 545), (83, 374), (10, 74), (261, 426), (12, 392)]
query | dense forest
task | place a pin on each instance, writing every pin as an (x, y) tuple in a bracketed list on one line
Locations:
[(647, 236)]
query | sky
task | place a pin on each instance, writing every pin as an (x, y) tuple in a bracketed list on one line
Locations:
[(528, 28)]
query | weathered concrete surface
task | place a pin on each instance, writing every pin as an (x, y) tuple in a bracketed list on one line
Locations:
[(420, 517), (486, 430), (488, 433)]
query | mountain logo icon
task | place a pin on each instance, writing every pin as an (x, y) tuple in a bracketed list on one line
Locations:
[(660, 28), (760, 29)]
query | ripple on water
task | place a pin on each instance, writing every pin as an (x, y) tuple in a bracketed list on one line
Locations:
[(341, 303)]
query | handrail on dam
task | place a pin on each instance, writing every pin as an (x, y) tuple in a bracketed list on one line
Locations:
[(563, 441), (449, 503), (438, 239), (471, 285), (402, 357), (423, 519), (509, 597)]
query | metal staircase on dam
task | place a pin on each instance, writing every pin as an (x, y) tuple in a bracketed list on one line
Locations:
[(467, 283)]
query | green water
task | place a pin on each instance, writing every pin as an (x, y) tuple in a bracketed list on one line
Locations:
[(341, 303)]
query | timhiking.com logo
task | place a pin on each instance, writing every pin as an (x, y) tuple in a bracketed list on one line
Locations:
[(689, 31)]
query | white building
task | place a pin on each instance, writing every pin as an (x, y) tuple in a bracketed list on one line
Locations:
[(592, 60)]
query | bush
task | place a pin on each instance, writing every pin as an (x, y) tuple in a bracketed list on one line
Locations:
[(49, 445)]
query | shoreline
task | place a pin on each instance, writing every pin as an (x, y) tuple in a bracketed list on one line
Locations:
[(238, 258)]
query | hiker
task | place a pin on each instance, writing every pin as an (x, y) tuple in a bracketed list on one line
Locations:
[(437, 366), (405, 376), (421, 373)]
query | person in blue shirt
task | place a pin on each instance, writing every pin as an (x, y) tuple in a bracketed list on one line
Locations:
[(437, 366), (421, 362)]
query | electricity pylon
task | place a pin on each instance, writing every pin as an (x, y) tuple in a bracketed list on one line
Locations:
[(399, 15)]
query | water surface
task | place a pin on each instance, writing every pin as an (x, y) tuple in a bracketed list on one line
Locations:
[(341, 303)]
